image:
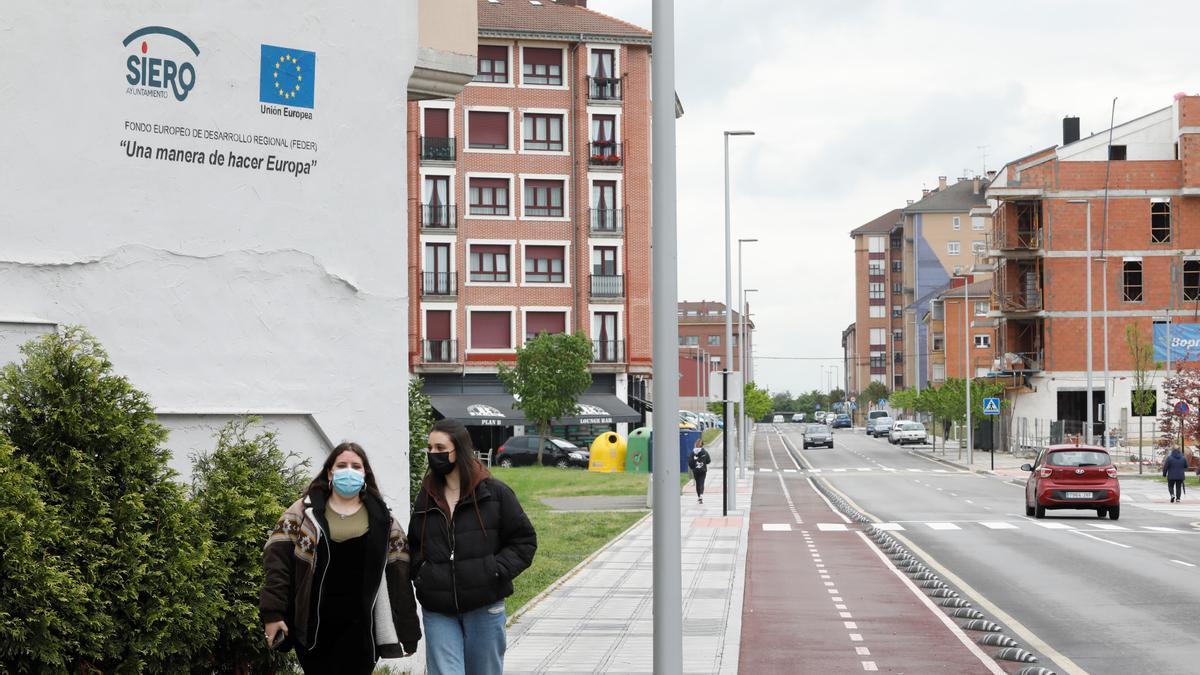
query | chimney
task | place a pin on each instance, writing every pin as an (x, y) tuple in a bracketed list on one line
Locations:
[(1070, 130), (941, 183), (990, 175), (910, 202), (924, 192), (975, 185)]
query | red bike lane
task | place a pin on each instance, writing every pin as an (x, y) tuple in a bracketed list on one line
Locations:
[(825, 601)]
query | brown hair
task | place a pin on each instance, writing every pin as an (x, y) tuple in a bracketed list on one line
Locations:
[(470, 470), (320, 482)]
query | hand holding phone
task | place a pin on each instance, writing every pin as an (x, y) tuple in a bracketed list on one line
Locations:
[(276, 633)]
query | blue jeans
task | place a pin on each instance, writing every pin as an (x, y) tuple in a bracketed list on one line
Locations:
[(473, 642)]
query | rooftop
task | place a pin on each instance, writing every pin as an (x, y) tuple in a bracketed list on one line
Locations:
[(958, 198), (881, 225), (555, 19)]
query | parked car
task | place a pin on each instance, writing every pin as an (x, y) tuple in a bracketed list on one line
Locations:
[(798, 417), (880, 426), (694, 419), (842, 421), (819, 416), (522, 451), (778, 419), (1073, 477), (905, 432), (818, 434)]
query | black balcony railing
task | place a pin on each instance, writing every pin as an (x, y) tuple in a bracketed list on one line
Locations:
[(439, 283), (605, 153), (439, 351), (608, 351), (608, 286), (608, 221), (604, 88), (440, 217), (439, 148)]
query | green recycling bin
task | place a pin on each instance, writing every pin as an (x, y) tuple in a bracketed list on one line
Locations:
[(639, 451)]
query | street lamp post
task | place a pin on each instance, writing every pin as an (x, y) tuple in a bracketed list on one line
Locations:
[(967, 366), (743, 353), (1087, 434), (728, 497)]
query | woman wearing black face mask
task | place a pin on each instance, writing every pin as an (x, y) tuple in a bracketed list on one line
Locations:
[(468, 539)]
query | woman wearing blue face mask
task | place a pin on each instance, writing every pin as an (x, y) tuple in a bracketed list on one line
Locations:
[(337, 584)]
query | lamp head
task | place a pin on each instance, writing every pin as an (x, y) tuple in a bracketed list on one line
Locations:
[(740, 132)]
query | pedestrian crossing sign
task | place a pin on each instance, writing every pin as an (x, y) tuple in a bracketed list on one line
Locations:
[(991, 406)]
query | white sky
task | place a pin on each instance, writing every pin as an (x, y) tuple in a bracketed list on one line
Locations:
[(859, 105)]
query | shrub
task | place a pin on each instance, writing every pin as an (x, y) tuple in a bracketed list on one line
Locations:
[(420, 419)]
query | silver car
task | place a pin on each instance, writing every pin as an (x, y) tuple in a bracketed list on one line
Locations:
[(818, 434), (880, 426)]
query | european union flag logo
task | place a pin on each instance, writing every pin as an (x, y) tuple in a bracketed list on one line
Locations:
[(287, 76)]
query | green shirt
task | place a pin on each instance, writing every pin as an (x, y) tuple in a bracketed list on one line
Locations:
[(342, 527)]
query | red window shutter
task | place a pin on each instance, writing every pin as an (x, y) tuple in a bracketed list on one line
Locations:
[(542, 56), (491, 330), (488, 128), (544, 252), (493, 53), (477, 248), (437, 325), (548, 322), (437, 122), (482, 183)]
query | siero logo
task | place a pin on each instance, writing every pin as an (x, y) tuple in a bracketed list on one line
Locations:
[(156, 76)]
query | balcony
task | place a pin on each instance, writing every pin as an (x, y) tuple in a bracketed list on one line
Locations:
[(437, 148), (608, 221), (608, 286), (605, 154), (604, 89), (608, 351), (438, 216), (439, 284), (1019, 302), (439, 351)]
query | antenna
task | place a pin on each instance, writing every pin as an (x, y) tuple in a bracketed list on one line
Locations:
[(982, 158)]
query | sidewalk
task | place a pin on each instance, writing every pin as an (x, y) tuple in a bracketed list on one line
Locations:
[(600, 617)]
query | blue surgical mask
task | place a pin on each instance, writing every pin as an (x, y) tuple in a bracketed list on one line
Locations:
[(348, 482)]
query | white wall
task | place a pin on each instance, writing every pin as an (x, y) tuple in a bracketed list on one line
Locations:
[(219, 289)]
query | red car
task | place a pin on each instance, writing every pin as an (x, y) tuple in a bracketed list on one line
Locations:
[(1073, 477)]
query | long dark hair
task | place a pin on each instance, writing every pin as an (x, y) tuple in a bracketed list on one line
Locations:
[(320, 482), (469, 468)]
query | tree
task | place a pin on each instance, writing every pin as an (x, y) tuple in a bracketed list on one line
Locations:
[(241, 487), (146, 597), (904, 399), (837, 396), (929, 401), (1141, 355), (875, 391), (1183, 386), (420, 420), (758, 403), (782, 401), (551, 371)]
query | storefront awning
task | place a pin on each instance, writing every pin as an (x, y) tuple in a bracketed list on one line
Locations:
[(488, 410), (600, 409)]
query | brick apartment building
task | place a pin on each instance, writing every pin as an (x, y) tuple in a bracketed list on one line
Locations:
[(944, 325), (702, 348), (878, 344), (1149, 250), (531, 212), (850, 360)]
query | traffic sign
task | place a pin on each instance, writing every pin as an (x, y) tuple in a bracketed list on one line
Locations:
[(1182, 408), (991, 406)]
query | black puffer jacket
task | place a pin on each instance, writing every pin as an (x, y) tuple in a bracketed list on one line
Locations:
[(470, 562)]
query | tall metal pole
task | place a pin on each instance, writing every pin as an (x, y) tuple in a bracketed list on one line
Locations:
[(1104, 275), (668, 589), (1088, 264), (743, 435), (967, 367), (729, 496)]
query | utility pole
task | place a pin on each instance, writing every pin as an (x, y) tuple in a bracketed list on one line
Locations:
[(1088, 266)]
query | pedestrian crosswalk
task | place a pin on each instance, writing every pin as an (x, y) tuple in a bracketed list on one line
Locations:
[(950, 526)]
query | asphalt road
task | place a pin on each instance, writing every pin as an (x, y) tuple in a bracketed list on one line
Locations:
[(1090, 595)]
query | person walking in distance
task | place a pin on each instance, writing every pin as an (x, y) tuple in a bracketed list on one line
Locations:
[(1175, 469), (336, 584), (469, 538), (698, 463)]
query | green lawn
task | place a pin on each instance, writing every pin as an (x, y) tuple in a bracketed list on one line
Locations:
[(565, 539), (709, 435)]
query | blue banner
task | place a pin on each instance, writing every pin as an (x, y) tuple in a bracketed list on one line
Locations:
[(1185, 342), (287, 76)]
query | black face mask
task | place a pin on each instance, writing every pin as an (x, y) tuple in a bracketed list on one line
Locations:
[(440, 464)]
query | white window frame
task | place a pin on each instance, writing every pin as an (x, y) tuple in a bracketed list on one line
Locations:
[(439, 239), (987, 307), (512, 78), (608, 309), (566, 129), (939, 372), (877, 332), (566, 311), (562, 47), (467, 110), (512, 270), (512, 199), (566, 247), (512, 329), (605, 110), (953, 247), (876, 244), (437, 105), (593, 243), (566, 205), (592, 177), (978, 223), (452, 307), (986, 343), (880, 314), (956, 222), (616, 50)]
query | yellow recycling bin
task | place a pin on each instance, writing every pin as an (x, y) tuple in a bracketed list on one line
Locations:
[(608, 453)]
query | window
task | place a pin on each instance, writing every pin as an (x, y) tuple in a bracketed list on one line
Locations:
[(953, 248), (939, 372), (957, 270), (957, 221), (689, 340), (542, 132), (1191, 280), (437, 211), (493, 64), (1131, 279), (541, 66), (604, 129), (878, 360), (487, 130), (875, 244), (438, 275), (897, 288), (1160, 222), (491, 330), (489, 196), (876, 311), (543, 198), (898, 381), (1116, 153), (897, 266), (544, 265), (897, 335), (978, 223), (878, 336), (978, 247), (875, 290), (936, 310), (875, 268), (897, 312), (982, 307), (983, 341), (897, 240), (544, 322), (939, 342), (604, 261), (489, 263), (714, 340)]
